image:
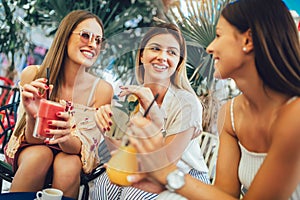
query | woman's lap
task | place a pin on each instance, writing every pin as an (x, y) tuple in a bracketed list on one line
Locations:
[(105, 190)]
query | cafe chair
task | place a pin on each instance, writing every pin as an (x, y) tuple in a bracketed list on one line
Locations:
[(209, 145), (8, 116), (6, 90)]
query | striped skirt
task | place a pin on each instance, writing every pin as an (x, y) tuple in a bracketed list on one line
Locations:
[(105, 190)]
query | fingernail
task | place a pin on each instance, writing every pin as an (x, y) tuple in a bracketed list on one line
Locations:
[(47, 130), (104, 129), (110, 114), (58, 113), (46, 87), (110, 123), (74, 126), (108, 129), (49, 122)]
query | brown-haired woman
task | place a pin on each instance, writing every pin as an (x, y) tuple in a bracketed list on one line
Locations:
[(75, 47), (257, 45)]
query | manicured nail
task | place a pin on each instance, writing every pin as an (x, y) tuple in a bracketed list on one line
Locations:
[(47, 130), (74, 126), (104, 129), (108, 129), (110, 123), (110, 114), (49, 122), (58, 113)]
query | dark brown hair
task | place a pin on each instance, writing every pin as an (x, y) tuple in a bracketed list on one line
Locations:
[(275, 38)]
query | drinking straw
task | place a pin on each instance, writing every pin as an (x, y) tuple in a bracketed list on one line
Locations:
[(125, 140), (48, 77), (148, 109)]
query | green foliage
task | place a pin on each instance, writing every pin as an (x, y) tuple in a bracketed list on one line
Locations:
[(12, 33), (197, 20), (120, 18)]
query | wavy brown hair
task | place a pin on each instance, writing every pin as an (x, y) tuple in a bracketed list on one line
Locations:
[(57, 54)]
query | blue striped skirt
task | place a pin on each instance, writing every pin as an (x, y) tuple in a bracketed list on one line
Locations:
[(105, 190)]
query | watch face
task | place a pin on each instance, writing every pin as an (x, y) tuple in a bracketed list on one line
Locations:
[(175, 180)]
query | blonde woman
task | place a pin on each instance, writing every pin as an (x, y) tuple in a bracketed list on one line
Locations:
[(257, 45), (160, 69)]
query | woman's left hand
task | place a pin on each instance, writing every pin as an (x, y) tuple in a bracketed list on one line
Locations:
[(62, 131)]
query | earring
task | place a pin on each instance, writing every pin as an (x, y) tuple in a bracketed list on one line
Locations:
[(244, 49)]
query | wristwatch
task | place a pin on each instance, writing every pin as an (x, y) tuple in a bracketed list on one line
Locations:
[(175, 180)]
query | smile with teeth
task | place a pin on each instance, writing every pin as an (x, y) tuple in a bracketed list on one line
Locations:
[(89, 54), (159, 66)]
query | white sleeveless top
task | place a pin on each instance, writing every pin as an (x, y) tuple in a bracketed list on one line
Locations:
[(250, 162)]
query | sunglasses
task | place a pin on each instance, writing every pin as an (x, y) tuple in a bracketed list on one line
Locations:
[(87, 36)]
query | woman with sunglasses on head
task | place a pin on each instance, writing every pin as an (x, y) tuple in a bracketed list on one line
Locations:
[(160, 70), (257, 45), (73, 149)]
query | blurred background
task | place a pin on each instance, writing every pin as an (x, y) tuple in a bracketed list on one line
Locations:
[(28, 26)]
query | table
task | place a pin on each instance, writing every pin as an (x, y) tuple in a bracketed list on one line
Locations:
[(22, 196)]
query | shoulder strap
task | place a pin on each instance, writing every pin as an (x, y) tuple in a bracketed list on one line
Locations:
[(231, 115), (93, 91), (291, 99)]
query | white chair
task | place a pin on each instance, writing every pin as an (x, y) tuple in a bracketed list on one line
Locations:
[(209, 145)]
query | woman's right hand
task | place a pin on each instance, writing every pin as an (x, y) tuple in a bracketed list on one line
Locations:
[(145, 96), (103, 117), (31, 95)]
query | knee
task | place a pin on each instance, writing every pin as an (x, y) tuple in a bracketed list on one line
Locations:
[(38, 159), (67, 168)]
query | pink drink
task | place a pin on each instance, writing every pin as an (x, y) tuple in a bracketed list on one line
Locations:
[(47, 111)]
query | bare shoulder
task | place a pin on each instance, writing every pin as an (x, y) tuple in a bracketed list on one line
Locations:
[(104, 93), (28, 74), (104, 86), (224, 119), (287, 125)]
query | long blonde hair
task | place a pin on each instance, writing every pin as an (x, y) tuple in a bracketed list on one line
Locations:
[(179, 78)]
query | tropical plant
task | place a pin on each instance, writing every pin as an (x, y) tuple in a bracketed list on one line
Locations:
[(119, 17), (13, 35), (197, 20)]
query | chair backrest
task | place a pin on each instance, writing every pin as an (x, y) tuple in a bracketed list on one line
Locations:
[(209, 145), (9, 93), (8, 117)]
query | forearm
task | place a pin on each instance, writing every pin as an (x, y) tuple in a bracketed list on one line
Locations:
[(193, 188)]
